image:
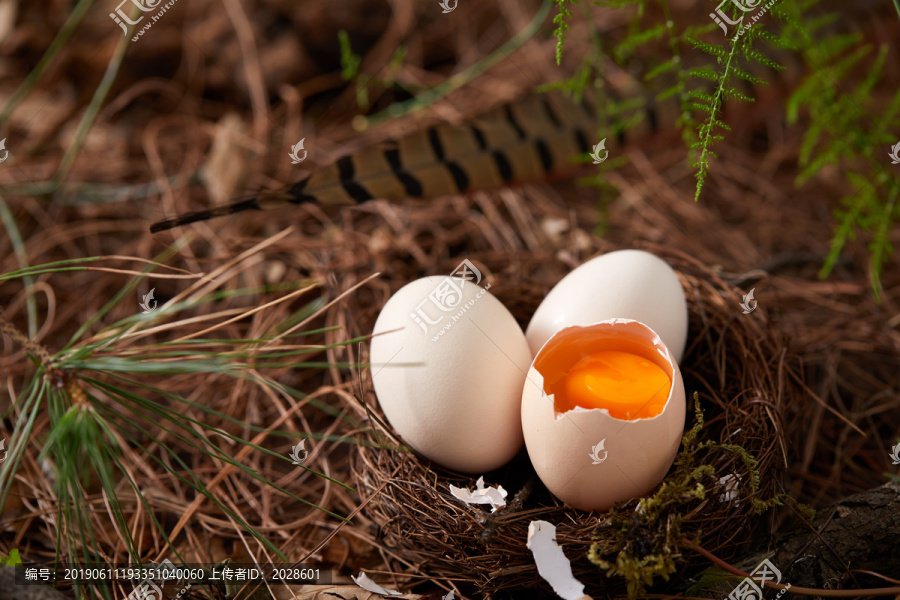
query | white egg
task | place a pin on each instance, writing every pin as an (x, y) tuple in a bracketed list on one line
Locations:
[(626, 284), (585, 457), (448, 362)]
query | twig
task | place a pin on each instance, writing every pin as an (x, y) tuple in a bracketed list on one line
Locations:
[(803, 591)]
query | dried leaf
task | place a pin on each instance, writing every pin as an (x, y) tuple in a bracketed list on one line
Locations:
[(227, 164)]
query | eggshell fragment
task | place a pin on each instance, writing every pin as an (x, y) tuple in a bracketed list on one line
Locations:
[(626, 284), (495, 496), (551, 563), (565, 448), (448, 365), (366, 583)]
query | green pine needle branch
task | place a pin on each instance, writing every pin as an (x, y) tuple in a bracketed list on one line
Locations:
[(108, 417)]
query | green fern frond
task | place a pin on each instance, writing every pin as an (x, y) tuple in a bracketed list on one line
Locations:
[(836, 46), (776, 41), (750, 77), (668, 93), (893, 110), (823, 158), (864, 90), (704, 73), (756, 55), (640, 4), (562, 28), (840, 128), (574, 85), (728, 70), (814, 24), (663, 67), (847, 222), (717, 51), (349, 60), (737, 95), (705, 97), (843, 134), (880, 247), (635, 40)]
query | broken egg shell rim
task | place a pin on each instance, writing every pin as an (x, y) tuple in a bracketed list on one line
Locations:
[(655, 341)]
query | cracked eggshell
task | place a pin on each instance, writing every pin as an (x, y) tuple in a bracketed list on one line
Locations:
[(453, 396), (639, 452), (625, 284)]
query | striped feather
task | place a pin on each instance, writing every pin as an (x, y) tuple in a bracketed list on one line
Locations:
[(529, 140), (524, 141)]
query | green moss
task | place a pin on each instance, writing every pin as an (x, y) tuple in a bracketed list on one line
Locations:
[(645, 543)]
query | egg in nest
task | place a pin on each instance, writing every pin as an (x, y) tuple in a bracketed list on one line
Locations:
[(603, 412), (448, 363), (625, 284)]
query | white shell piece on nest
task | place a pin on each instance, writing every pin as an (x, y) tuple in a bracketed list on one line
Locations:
[(482, 495), (731, 485), (367, 584), (551, 563)]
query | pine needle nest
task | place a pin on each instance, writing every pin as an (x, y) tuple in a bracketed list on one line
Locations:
[(739, 380)]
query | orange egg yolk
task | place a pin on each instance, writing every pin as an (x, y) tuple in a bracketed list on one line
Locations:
[(628, 385)]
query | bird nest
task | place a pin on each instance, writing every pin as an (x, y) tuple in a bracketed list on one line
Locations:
[(739, 381)]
